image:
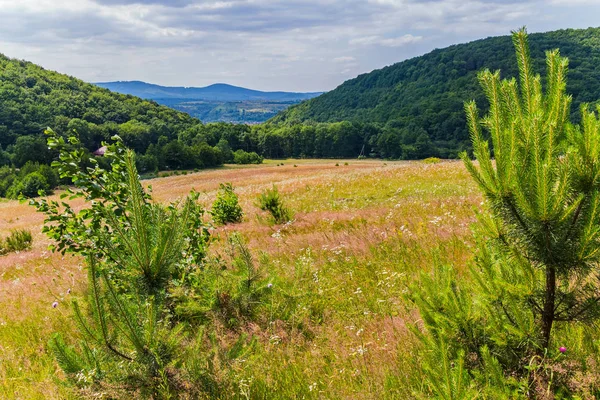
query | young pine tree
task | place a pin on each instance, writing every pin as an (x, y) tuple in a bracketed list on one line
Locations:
[(137, 252), (542, 183)]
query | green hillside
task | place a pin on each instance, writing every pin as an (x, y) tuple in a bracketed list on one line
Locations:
[(32, 98), (427, 93)]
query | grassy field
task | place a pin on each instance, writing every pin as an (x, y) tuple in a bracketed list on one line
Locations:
[(338, 324)]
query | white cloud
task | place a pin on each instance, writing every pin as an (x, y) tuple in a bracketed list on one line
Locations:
[(387, 42), (344, 59), (265, 44)]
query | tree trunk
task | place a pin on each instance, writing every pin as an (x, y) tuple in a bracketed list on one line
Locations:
[(548, 311)]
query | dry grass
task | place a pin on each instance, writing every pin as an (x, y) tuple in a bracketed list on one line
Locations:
[(359, 235)]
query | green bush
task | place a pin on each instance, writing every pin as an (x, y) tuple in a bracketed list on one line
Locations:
[(30, 186), (432, 160), (270, 200), (146, 163), (28, 180), (232, 290), (7, 178), (226, 208), (243, 157), (137, 252), (50, 175)]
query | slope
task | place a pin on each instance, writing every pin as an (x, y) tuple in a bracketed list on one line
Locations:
[(32, 98), (427, 93)]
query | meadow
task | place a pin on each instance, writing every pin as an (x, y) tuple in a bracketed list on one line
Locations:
[(337, 325)]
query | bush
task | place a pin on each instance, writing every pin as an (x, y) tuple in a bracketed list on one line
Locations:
[(226, 208), (226, 151), (137, 252), (270, 200), (31, 178), (7, 178), (50, 175), (29, 187), (146, 163), (242, 157), (432, 160), (18, 240)]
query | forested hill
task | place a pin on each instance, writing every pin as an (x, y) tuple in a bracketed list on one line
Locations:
[(32, 98), (426, 93)]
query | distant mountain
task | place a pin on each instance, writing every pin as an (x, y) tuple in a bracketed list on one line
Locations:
[(215, 103), (218, 92), (425, 95)]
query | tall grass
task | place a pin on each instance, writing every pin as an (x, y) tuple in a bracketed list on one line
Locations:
[(327, 309), (18, 240)]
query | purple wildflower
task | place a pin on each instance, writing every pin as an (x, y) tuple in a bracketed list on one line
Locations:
[(69, 291), (562, 349), (270, 285), (55, 304)]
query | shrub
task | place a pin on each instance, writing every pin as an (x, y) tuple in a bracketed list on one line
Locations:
[(226, 208), (30, 186), (240, 295), (226, 151), (7, 178), (243, 157), (432, 160), (270, 200), (146, 163), (137, 251), (50, 175)]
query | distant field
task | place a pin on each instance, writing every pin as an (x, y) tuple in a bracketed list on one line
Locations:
[(360, 233)]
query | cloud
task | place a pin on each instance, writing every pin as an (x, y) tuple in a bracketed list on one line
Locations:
[(387, 42), (344, 59), (296, 45), (170, 3)]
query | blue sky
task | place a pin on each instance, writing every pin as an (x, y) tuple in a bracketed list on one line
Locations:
[(294, 45)]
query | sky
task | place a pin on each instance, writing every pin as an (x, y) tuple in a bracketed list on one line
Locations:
[(290, 45)]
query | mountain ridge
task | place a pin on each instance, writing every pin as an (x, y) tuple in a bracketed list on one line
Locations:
[(214, 92)]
